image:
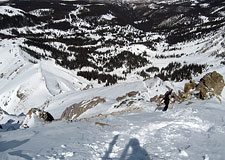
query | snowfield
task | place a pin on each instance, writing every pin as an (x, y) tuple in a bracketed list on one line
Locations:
[(194, 131)]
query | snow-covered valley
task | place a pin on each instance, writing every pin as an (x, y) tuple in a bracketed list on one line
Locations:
[(95, 67)]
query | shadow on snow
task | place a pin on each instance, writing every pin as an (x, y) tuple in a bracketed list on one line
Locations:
[(4, 146), (137, 152)]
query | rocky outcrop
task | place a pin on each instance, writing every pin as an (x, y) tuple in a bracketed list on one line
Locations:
[(210, 85), (77, 109), (189, 86), (46, 116), (130, 94), (126, 100), (156, 98), (36, 115)]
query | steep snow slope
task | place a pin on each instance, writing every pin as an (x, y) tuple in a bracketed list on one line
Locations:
[(194, 131), (26, 82)]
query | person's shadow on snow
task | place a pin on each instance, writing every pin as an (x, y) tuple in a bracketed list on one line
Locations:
[(106, 156), (138, 153)]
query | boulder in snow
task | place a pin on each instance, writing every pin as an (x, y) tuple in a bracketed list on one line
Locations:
[(36, 115), (211, 84)]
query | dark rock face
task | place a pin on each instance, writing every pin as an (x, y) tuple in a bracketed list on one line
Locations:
[(77, 109)]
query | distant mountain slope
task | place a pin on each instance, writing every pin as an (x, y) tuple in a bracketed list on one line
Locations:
[(96, 38)]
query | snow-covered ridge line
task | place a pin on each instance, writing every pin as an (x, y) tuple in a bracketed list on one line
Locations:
[(10, 11)]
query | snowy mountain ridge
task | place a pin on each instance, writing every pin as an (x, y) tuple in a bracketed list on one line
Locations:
[(123, 54)]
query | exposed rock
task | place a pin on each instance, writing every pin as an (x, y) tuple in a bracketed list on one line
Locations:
[(203, 90), (189, 86), (126, 102), (1, 111), (35, 114), (211, 84), (101, 124), (189, 103), (120, 98), (154, 99), (76, 110), (175, 96), (46, 116), (88, 87), (130, 94)]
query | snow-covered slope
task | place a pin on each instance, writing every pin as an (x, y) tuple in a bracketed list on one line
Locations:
[(194, 131), (27, 83)]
